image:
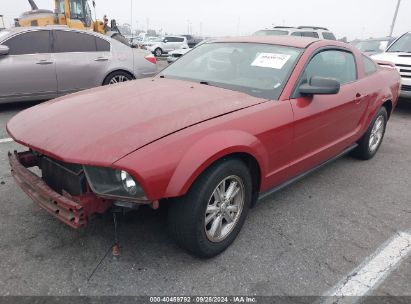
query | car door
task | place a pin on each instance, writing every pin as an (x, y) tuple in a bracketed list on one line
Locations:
[(28, 71), (326, 124), (169, 44), (82, 60)]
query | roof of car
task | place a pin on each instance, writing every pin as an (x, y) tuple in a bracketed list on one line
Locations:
[(298, 42), (15, 30)]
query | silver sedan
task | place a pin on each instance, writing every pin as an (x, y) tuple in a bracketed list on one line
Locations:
[(39, 63)]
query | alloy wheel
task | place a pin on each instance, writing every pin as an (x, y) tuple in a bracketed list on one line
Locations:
[(118, 79), (377, 134), (224, 208)]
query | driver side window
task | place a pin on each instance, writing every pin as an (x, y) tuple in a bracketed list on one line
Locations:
[(336, 64)]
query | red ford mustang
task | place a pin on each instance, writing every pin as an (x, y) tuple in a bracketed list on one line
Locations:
[(230, 122)]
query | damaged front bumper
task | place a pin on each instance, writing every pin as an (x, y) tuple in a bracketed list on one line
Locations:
[(74, 211)]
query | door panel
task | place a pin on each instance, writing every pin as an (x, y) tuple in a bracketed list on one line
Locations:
[(80, 63), (29, 69), (326, 124)]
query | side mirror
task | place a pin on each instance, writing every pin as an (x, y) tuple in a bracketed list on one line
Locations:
[(320, 86), (165, 40), (4, 50)]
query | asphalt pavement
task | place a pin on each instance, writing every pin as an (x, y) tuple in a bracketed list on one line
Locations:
[(301, 241)]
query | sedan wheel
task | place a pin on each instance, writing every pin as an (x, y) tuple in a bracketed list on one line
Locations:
[(209, 217), (118, 78)]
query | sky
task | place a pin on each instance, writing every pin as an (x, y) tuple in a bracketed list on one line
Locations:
[(349, 18)]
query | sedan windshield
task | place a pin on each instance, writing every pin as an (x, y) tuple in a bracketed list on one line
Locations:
[(403, 44), (260, 70)]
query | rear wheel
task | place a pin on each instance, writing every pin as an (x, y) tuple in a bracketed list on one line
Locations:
[(117, 77), (158, 52), (372, 139), (209, 217)]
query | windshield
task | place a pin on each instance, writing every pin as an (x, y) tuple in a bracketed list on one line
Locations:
[(79, 9), (403, 44), (271, 33), (260, 70), (371, 45)]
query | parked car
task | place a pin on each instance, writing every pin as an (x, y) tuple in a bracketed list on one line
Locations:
[(174, 55), (167, 44), (301, 31), (39, 63), (399, 53), (230, 122), (192, 41), (372, 46)]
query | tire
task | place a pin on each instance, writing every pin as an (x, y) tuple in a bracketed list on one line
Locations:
[(117, 77), (371, 141), (187, 215), (158, 52)]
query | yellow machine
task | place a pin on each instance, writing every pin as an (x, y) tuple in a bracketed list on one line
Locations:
[(73, 13)]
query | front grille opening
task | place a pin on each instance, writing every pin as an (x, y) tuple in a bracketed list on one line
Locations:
[(63, 177)]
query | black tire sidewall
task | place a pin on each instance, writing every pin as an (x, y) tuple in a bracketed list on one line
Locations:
[(196, 202)]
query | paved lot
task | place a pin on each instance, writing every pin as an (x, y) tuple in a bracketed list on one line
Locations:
[(301, 241)]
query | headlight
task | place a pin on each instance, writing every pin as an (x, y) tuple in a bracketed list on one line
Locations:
[(118, 184), (128, 183)]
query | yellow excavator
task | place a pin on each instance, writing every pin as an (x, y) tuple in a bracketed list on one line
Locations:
[(72, 13)]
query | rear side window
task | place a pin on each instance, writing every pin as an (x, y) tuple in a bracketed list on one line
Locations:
[(179, 39), (369, 65), (37, 42), (309, 34), (102, 45), (305, 34), (336, 64), (329, 36), (66, 42)]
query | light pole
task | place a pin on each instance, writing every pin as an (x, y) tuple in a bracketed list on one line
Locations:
[(131, 12), (395, 18)]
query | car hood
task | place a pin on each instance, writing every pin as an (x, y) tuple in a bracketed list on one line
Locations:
[(102, 125), (396, 58)]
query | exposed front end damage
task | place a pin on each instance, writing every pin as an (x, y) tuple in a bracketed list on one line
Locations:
[(68, 199)]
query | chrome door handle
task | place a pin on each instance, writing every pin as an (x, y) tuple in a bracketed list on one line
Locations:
[(101, 59), (44, 62)]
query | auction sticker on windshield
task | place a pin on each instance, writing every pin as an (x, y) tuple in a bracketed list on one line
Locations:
[(271, 60)]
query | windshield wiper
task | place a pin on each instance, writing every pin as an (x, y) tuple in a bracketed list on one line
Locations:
[(162, 76), (204, 82)]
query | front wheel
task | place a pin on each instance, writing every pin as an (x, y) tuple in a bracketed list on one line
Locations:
[(372, 139), (209, 217)]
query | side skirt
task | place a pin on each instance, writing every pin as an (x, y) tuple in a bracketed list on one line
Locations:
[(304, 174)]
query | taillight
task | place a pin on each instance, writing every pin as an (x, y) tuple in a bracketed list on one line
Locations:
[(151, 58)]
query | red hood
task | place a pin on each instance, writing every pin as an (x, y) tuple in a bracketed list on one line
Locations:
[(102, 125)]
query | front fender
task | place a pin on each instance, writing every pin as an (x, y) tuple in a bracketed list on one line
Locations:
[(209, 149)]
